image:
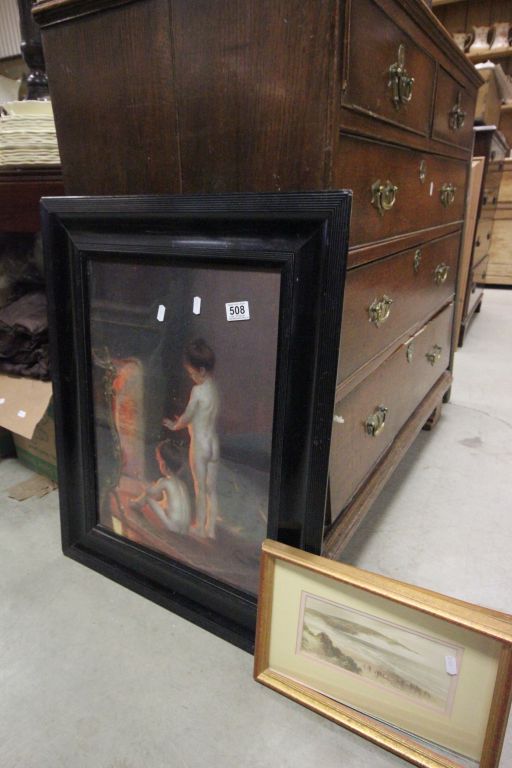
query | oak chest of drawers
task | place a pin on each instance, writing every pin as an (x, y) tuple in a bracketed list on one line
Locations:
[(499, 265), (491, 145), (230, 95)]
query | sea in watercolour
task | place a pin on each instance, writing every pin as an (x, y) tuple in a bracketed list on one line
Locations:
[(392, 657)]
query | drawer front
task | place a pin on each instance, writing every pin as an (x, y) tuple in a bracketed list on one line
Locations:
[(418, 282), (505, 195), (490, 195), (483, 239), (501, 251), (398, 385), (499, 149), (480, 270), (454, 111), (382, 59), (390, 197)]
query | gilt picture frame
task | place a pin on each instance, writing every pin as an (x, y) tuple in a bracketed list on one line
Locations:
[(194, 344), (422, 675)]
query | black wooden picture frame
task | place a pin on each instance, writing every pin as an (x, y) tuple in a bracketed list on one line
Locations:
[(103, 255)]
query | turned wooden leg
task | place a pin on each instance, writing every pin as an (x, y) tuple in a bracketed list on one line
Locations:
[(433, 418)]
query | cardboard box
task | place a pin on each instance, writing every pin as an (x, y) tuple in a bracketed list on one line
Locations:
[(25, 410), (39, 453)]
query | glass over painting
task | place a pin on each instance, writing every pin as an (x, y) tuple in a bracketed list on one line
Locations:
[(183, 402)]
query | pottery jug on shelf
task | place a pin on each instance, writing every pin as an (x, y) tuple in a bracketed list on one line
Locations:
[(501, 39), (480, 42), (462, 39)]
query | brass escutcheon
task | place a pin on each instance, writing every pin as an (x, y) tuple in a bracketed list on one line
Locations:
[(441, 273), (417, 260), (375, 423), (457, 116), (379, 310), (434, 355), (383, 196), (423, 171), (447, 194), (399, 80)]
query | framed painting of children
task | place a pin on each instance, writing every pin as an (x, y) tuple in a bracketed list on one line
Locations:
[(194, 346)]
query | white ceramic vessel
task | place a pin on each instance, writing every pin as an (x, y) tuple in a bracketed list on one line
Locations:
[(501, 36), (480, 42)]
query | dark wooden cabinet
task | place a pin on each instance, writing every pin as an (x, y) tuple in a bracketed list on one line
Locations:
[(233, 95), (20, 192)]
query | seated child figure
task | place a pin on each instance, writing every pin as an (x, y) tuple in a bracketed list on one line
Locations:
[(200, 418), (168, 497)]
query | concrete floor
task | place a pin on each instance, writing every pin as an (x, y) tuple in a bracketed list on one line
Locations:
[(94, 676)]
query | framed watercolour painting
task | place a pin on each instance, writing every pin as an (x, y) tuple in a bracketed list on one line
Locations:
[(194, 347), (423, 675)]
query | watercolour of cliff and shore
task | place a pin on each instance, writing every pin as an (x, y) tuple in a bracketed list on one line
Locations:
[(402, 661)]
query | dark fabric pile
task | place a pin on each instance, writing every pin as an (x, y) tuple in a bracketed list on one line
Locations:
[(23, 317), (24, 337)]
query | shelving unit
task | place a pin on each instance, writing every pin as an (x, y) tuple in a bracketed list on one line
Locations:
[(462, 16), (492, 55)]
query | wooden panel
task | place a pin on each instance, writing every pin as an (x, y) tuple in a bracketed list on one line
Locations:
[(347, 524), (253, 94), (398, 385), (360, 163), (449, 93), (474, 194), (498, 274), (453, 16), (374, 41), (499, 269), (480, 270), (505, 193), (479, 13), (415, 294), (505, 124), (490, 193), (20, 193), (483, 238), (112, 90)]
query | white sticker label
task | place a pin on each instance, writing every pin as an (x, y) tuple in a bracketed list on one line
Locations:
[(196, 307), (237, 310), (161, 313), (22, 414), (2, 400), (431, 188), (451, 665)]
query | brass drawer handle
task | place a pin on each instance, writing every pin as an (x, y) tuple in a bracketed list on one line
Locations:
[(441, 273), (383, 196), (448, 194), (379, 310), (434, 355), (375, 423), (409, 352), (417, 260), (457, 116), (399, 80)]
